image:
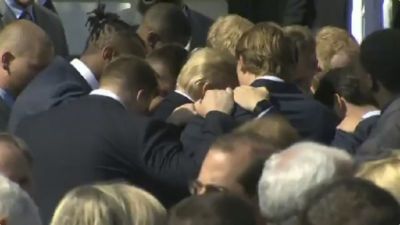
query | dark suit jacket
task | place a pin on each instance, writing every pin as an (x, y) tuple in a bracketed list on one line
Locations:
[(312, 120), (96, 139), (169, 104), (385, 135), (351, 141), (4, 115), (58, 83), (47, 20), (200, 25)]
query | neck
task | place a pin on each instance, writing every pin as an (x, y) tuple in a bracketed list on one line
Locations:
[(358, 111), (91, 63)]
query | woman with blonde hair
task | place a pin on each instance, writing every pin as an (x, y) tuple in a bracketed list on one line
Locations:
[(111, 204), (385, 173)]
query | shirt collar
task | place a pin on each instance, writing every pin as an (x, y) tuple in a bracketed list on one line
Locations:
[(107, 93), (371, 114), (184, 94), (86, 73), (271, 78), (7, 97), (18, 10)]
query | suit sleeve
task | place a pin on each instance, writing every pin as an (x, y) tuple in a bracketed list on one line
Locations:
[(173, 162), (294, 12)]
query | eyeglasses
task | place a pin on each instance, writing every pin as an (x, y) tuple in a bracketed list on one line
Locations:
[(196, 188)]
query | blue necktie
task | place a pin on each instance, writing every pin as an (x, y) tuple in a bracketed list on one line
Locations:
[(26, 16), (373, 16)]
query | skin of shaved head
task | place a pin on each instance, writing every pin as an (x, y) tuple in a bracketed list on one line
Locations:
[(25, 50)]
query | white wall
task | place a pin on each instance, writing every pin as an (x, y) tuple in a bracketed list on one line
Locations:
[(73, 15)]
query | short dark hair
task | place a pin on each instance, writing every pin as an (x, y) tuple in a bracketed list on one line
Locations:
[(346, 83), (169, 22), (130, 72), (212, 209), (261, 151), (106, 28), (353, 202), (17, 143), (380, 54), (172, 56)]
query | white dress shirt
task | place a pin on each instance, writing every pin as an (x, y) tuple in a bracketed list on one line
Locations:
[(86, 73), (107, 93), (371, 114), (270, 77)]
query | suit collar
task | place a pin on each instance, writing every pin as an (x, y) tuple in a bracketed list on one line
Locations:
[(277, 87), (17, 10), (183, 94), (392, 106), (108, 94)]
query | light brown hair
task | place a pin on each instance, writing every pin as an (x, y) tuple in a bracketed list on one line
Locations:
[(265, 50), (225, 33)]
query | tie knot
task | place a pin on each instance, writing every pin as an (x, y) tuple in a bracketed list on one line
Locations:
[(26, 15)]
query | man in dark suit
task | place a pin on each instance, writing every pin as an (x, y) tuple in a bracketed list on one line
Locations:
[(22, 57), (267, 59), (64, 80), (46, 19), (200, 24), (379, 56), (105, 136)]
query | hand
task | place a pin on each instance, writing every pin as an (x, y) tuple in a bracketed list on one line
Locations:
[(215, 100), (182, 115), (248, 97)]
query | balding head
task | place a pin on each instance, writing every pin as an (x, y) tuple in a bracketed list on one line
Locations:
[(164, 23), (132, 79), (25, 49)]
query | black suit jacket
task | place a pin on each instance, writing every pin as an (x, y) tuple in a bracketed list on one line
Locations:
[(200, 25), (4, 115), (385, 135), (169, 104), (96, 139), (312, 120), (58, 83)]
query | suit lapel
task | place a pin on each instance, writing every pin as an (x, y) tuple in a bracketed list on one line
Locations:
[(8, 15)]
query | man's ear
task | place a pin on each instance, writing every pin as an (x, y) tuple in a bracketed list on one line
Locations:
[(207, 86), (341, 104), (6, 60), (153, 39), (108, 53), (240, 65)]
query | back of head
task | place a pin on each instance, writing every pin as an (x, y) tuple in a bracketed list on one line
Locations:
[(106, 30), (226, 31), (276, 129), (331, 41), (385, 173), (168, 61), (16, 207), (351, 202), (207, 69), (111, 204), (346, 83), (302, 38), (23, 56), (165, 23), (265, 50), (379, 56), (288, 175), (212, 209)]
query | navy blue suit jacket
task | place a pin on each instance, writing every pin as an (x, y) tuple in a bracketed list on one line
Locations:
[(312, 120), (58, 83), (96, 139), (169, 104)]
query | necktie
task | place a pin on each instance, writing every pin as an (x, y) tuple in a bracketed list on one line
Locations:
[(25, 16)]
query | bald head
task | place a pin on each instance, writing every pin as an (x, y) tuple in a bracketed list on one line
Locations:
[(165, 23), (25, 49)]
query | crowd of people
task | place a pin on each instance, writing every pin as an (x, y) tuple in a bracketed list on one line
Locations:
[(262, 124)]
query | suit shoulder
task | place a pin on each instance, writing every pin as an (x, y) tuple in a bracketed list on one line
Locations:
[(52, 17)]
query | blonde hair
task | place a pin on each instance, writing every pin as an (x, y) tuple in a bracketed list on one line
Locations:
[(111, 204), (332, 40), (207, 66), (225, 33), (385, 173), (266, 50)]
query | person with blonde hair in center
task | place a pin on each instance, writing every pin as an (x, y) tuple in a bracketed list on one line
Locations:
[(111, 204), (385, 173), (206, 69), (225, 33)]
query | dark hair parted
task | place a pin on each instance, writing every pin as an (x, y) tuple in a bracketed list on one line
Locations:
[(213, 209)]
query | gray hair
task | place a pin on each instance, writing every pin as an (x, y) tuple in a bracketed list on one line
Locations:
[(288, 175), (15, 204)]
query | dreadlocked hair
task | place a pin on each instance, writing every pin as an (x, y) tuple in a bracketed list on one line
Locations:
[(102, 25)]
